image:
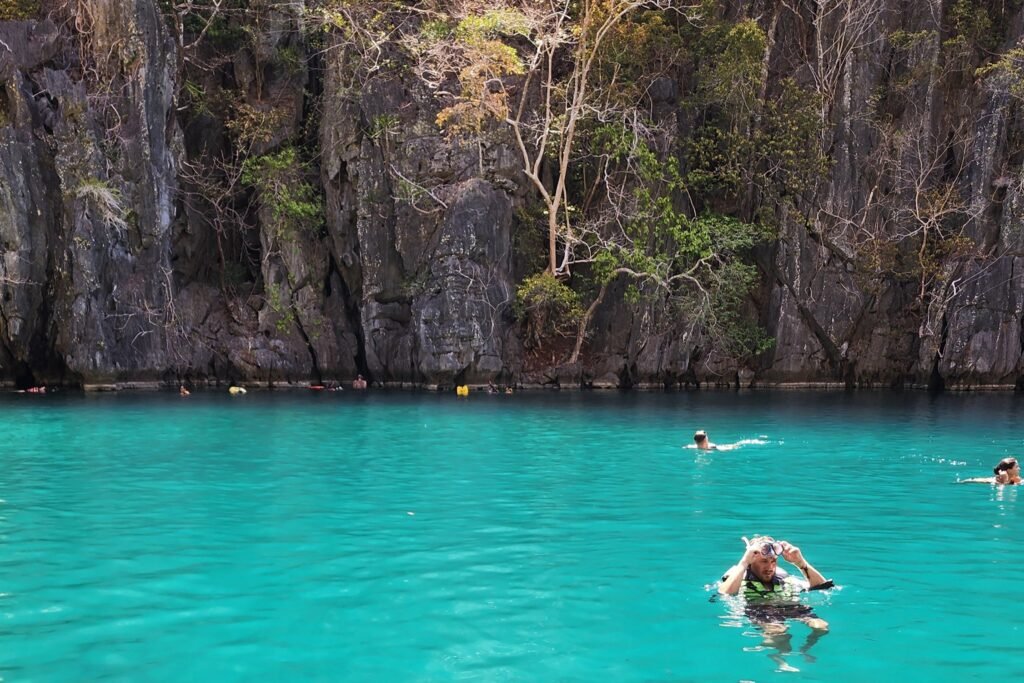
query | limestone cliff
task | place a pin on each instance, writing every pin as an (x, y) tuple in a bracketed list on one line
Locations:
[(136, 246)]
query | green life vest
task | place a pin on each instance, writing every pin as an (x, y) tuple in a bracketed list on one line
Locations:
[(781, 586)]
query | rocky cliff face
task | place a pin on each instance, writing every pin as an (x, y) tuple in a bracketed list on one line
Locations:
[(113, 271)]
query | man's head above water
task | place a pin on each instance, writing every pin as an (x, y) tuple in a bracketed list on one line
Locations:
[(764, 559)]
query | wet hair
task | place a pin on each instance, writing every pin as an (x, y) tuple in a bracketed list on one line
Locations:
[(761, 540), (1004, 465), (700, 436)]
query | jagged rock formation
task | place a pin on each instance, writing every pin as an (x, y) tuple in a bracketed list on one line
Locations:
[(110, 272)]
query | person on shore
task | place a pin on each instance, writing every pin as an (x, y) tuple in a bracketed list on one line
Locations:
[(770, 592), (1006, 471), (359, 382), (703, 443)]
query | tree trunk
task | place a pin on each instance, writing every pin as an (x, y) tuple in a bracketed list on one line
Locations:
[(581, 332)]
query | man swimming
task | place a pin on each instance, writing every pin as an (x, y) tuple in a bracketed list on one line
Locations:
[(770, 591), (701, 439), (1006, 471), (770, 595)]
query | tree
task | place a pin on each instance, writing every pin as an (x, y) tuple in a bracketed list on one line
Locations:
[(692, 266), (569, 80), (558, 47), (550, 132), (838, 30)]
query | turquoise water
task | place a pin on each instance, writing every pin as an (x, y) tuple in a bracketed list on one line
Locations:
[(567, 537)]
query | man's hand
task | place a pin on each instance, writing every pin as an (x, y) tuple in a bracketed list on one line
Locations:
[(791, 553), (751, 552), (730, 583)]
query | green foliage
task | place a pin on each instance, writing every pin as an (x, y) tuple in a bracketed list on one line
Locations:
[(195, 96), (782, 155), (226, 36), (484, 57), (699, 264), (749, 135), (384, 127), (290, 59), (726, 314), (732, 76), (643, 46), (295, 204), (903, 40), (435, 30), (789, 140), (910, 261), (529, 238), (1007, 72), (18, 10), (492, 24), (971, 26), (547, 308), (285, 315), (254, 125)]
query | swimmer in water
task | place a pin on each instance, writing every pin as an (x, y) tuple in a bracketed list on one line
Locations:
[(770, 594), (1006, 471), (702, 441)]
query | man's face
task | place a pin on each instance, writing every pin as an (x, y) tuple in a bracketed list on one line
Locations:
[(1012, 472), (764, 566)]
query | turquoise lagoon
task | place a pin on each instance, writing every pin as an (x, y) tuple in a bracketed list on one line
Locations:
[(534, 537)]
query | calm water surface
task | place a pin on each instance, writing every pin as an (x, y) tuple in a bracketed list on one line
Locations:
[(402, 537)]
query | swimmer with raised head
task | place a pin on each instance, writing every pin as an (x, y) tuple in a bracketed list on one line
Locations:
[(759, 577), (1006, 471), (703, 444), (770, 594)]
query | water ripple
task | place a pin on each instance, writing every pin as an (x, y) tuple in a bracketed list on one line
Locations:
[(404, 537)]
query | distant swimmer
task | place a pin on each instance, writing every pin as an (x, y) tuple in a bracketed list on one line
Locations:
[(183, 391), (701, 439), (359, 382), (236, 391), (701, 443), (1007, 471)]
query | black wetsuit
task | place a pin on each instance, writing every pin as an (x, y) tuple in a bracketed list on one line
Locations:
[(775, 601)]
